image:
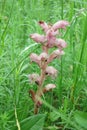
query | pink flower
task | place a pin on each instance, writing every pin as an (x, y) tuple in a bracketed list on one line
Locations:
[(44, 25), (48, 87), (56, 54), (60, 43), (51, 71), (35, 58), (38, 38), (60, 24), (51, 32), (34, 78), (43, 60), (39, 59), (50, 35), (43, 56)]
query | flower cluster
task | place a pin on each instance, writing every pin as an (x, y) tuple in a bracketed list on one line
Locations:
[(49, 40)]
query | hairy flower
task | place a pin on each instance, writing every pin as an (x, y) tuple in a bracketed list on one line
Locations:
[(41, 59), (51, 71), (35, 58), (60, 43), (48, 87), (51, 37), (60, 24), (34, 78), (38, 38), (56, 54), (43, 56)]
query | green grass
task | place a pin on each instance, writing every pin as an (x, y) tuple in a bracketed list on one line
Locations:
[(68, 103)]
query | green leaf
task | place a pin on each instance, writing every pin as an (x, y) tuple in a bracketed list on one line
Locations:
[(53, 116), (81, 118), (33, 123)]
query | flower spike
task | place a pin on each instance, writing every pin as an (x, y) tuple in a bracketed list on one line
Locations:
[(48, 40)]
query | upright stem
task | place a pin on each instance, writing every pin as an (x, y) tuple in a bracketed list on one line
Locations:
[(39, 92)]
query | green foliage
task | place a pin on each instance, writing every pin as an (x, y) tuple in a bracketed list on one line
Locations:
[(33, 123), (18, 19), (81, 118)]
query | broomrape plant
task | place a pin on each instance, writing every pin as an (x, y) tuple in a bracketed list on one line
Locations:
[(49, 40)]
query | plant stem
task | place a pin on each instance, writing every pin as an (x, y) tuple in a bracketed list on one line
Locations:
[(39, 91)]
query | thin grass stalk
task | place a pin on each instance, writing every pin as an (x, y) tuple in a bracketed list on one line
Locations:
[(72, 43), (61, 64), (7, 22), (79, 72), (17, 121), (3, 6), (19, 62), (83, 41)]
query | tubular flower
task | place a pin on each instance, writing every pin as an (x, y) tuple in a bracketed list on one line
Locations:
[(35, 58), (38, 38), (60, 43), (43, 56), (55, 54), (44, 25), (48, 87), (50, 38), (58, 53), (60, 24), (51, 71), (34, 78)]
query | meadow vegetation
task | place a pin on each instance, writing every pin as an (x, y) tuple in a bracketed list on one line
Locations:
[(65, 107)]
